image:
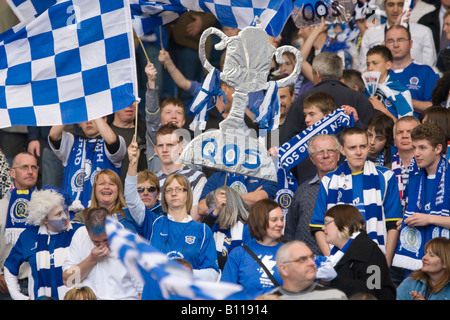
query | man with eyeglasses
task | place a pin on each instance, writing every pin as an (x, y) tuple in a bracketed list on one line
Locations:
[(296, 266), (324, 154), (373, 190), (423, 49), (420, 79), (13, 213)]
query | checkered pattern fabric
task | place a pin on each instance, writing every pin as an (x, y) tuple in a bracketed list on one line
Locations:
[(72, 63), (27, 10), (231, 13)]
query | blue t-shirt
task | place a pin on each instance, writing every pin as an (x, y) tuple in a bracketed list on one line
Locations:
[(389, 192), (242, 269), (420, 79), (192, 241)]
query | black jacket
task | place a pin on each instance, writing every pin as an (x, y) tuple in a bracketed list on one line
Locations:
[(363, 267)]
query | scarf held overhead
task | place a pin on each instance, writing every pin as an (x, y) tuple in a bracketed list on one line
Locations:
[(294, 151)]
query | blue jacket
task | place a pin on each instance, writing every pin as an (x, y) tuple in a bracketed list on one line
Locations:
[(409, 284)]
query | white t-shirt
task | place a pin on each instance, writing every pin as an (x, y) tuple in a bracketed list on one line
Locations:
[(109, 279)]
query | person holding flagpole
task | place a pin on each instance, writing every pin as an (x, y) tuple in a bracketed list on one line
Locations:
[(95, 149), (174, 232)]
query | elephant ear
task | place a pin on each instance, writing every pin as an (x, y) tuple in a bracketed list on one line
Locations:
[(297, 69), (219, 46)]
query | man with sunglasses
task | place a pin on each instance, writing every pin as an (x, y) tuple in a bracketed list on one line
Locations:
[(13, 213)]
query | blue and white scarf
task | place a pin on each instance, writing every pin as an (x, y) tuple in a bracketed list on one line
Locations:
[(294, 151), (336, 254), (410, 249), (50, 256), (340, 191), (287, 185), (379, 160), (266, 110), (402, 177), (17, 214), (267, 115), (205, 100), (325, 265)]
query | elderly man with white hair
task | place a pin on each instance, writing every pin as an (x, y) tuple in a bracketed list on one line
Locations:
[(43, 244)]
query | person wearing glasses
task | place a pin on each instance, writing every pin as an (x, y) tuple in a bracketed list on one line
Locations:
[(420, 79), (324, 153), (43, 244), (174, 232), (373, 190), (359, 263), (14, 211), (168, 147), (297, 268)]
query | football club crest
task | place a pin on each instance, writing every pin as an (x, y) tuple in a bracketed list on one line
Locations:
[(189, 239), (411, 240), (19, 211)]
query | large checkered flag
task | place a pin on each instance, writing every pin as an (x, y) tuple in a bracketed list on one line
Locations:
[(72, 63), (161, 274), (230, 13), (27, 10)]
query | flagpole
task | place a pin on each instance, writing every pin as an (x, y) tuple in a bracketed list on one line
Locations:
[(143, 49), (137, 107)]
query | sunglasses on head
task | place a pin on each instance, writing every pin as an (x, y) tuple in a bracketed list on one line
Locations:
[(149, 189)]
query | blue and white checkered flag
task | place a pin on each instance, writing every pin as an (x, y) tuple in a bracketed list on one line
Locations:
[(74, 62), (230, 13), (27, 10), (165, 276)]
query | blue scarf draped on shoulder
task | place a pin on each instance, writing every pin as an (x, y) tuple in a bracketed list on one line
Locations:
[(410, 249), (340, 191)]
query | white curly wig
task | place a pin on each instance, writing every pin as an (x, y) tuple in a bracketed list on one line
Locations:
[(41, 203)]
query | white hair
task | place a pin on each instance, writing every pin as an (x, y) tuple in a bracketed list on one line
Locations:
[(41, 203)]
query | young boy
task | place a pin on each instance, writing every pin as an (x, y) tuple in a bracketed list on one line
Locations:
[(320, 104), (316, 106), (97, 148), (391, 97), (380, 137)]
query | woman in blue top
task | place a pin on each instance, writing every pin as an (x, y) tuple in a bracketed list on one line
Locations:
[(265, 223), (432, 281), (44, 246), (174, 232)]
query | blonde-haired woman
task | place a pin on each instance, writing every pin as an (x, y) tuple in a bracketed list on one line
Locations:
[(107, 192), (43, 245), (432, 281), (174, 232)]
